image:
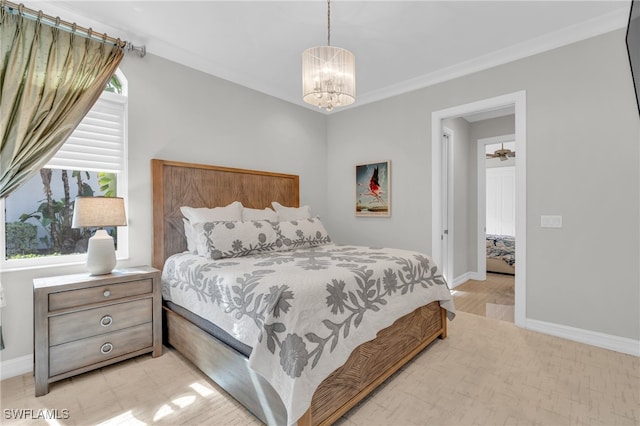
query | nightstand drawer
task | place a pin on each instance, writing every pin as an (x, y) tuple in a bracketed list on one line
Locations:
[(79, 325), (85, 296), (82, 353)]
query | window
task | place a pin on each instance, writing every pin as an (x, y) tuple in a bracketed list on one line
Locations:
[(93, 161)]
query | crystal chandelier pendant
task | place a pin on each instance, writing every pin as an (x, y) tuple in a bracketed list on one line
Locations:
[(328, 75)]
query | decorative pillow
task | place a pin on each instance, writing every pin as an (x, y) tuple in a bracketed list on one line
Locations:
[(302, 233), (192, 241), (257, 214), (218, 240), (291, 213), (202, 214)]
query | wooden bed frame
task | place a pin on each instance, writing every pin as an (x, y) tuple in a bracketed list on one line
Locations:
[(500, 266), (178, 184)]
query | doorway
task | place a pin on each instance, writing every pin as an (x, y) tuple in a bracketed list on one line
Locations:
[(516, 100), (489, 225)]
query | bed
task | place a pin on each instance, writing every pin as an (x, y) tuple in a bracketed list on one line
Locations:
[(501, 254), (177, 184)]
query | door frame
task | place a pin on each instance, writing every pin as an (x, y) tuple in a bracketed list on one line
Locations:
[(482, 198), (518, 100), (448, 186)]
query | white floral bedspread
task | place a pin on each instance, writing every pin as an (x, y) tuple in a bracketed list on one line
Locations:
[(304, 311)]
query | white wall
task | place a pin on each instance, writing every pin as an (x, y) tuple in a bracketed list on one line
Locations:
[(579, 100), (181, 114)]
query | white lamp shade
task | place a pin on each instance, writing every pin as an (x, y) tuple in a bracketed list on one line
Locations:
[(328, 77), (98, 212)]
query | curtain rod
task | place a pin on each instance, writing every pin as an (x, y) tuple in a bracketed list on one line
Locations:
[(73, 27)]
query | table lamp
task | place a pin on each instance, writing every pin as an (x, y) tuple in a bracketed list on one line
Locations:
[(99, 212)]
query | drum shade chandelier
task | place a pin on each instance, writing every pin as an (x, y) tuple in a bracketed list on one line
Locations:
[(328, 74)]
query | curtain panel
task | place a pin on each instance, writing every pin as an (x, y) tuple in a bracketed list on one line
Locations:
[(49, 79)]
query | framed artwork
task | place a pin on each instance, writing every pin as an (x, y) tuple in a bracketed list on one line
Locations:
[(373, 189)]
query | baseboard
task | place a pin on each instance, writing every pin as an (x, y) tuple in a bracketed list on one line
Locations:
[(16, 366), (464, 278), (593, 338)]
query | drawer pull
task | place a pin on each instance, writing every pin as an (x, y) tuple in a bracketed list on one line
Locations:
[(106, 321), (106, 348), (106, 293)]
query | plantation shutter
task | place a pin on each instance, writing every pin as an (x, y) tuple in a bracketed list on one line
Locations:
[(98, 143)]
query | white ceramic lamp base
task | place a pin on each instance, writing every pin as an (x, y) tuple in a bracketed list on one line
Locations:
[(101, 253)]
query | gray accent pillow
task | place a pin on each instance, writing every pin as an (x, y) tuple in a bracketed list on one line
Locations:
[(301, 233), (224, 239)]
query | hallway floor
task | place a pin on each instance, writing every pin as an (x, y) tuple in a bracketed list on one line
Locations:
[(493, 298)]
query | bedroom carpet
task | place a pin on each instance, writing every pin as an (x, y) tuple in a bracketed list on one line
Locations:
[(493, 298), (487, 372)]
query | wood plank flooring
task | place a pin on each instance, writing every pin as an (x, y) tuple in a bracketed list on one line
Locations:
[(493, 298)]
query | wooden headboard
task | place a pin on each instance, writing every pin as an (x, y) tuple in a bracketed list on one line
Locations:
[(177, 184)]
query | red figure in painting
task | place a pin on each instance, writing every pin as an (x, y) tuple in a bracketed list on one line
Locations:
[(374, 187)]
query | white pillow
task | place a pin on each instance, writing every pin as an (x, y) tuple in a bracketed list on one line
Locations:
[(257, 214), (218, 240), (202, 214), (192, 242), (291, 213), (302, 233)]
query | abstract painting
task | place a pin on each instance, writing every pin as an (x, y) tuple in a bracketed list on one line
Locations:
[(373, 189)]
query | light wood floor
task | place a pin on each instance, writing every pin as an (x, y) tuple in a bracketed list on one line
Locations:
[(486, 372), (493, 298)]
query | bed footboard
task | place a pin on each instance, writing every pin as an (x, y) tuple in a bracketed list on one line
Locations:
[(373, 362)]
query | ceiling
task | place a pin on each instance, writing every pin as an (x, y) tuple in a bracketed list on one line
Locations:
[(399, 45)]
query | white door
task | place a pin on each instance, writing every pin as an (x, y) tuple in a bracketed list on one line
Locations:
[(501, 213)]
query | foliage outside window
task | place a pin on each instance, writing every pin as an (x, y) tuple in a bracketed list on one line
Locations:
[(92, 162), (114, 85), (46, 230)]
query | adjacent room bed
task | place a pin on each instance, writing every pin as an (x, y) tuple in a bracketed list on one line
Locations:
[(293, 326), (501, 254)]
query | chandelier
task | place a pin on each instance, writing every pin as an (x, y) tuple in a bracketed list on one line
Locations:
[(328, 74)]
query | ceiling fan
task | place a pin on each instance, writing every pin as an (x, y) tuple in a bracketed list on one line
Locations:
[(502, 154)]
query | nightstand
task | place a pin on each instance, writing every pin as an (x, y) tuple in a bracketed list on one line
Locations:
[(84, 322)]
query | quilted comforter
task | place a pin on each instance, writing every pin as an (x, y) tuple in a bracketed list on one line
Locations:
[(502, 247), (304, 311)]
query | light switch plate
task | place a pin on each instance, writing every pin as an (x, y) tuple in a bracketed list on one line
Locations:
[(550, 221)]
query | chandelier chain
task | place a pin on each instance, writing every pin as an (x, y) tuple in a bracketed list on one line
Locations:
[(328, 22)]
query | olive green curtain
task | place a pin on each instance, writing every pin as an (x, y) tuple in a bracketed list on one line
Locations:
[(49, 79), (2, 305)]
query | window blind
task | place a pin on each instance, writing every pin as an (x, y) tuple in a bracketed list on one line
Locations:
[(98, 143)]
